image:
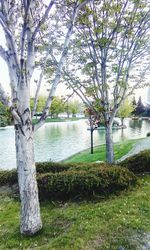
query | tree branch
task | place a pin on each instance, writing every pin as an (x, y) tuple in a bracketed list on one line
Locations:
[(6, 101), (3, 54), (59, 68), (42, 19)]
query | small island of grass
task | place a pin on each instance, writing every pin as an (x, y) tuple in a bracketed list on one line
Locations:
[(120, 149)]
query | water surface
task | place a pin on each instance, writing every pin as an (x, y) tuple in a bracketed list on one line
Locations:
[(56, 141)]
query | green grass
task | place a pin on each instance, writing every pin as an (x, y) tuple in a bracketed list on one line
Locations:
[(117, 221), (57, 119), (120, 149)]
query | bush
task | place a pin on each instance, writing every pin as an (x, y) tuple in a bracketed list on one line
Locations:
[(54, 167), (8, 177), (139, 163), (148, 134), (64, 181), (84, 183)]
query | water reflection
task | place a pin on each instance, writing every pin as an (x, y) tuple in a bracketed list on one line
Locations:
[(56, 141)]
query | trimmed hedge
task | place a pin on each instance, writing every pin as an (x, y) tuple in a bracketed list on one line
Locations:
[(54, 167), (64, 181), (139, 163), (8, 177), (101, 181)]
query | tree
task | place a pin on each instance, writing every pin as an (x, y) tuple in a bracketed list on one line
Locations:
[(112, 39), (125, 110), (40, 104), (72, 107), (26, 31), (57, 107), (134, 105), (139, 107)]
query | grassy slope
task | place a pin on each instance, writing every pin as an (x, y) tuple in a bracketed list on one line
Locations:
[(120, 149), (58, 119), (107, 224)]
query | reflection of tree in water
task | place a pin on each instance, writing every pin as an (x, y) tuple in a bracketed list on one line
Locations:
[(118, 134), (136, 124), (123, 136)]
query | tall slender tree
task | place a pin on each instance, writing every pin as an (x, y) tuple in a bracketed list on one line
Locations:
[(27, 25), (111, 42)]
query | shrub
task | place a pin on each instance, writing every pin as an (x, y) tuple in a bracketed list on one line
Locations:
[(8, 177), (54, 167), (139, 163), (82, 183), (148, 134), (64, 181)]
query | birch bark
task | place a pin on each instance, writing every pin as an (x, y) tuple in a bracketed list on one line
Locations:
[(30, 208), (109, 144)]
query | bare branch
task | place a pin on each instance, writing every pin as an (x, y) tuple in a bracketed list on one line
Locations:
[(11, 41), (42, 19)]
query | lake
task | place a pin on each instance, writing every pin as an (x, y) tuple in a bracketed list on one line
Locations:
[(57, 141)]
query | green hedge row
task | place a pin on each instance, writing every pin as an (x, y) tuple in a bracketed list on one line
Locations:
[(8, 177), (101, 181), (54, 167), (63, 181), (139, 163)]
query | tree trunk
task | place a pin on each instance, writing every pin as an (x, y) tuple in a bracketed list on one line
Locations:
[(30, 209), (122, 121), (24, 132), (109, 144)]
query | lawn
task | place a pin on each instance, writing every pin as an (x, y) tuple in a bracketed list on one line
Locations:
[(58, 119), (120, 149), (104, 224)]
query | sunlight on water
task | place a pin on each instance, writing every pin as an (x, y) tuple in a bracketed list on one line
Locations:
[(56, 141)]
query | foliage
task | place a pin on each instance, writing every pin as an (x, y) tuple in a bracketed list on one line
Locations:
[(134, 105), (72, 107), (46, 167), (139, 163), (40, 104), (148, 134), (64, 181), (57, 107), (125, 110), (8, 177), (5, 116), (98, 180), (139, 110)]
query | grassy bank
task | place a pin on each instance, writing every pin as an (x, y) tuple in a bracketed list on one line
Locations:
[(58, 119), (120, 149), (109, 224)]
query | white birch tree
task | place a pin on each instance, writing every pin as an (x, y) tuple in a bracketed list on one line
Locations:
[(23, 24)]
